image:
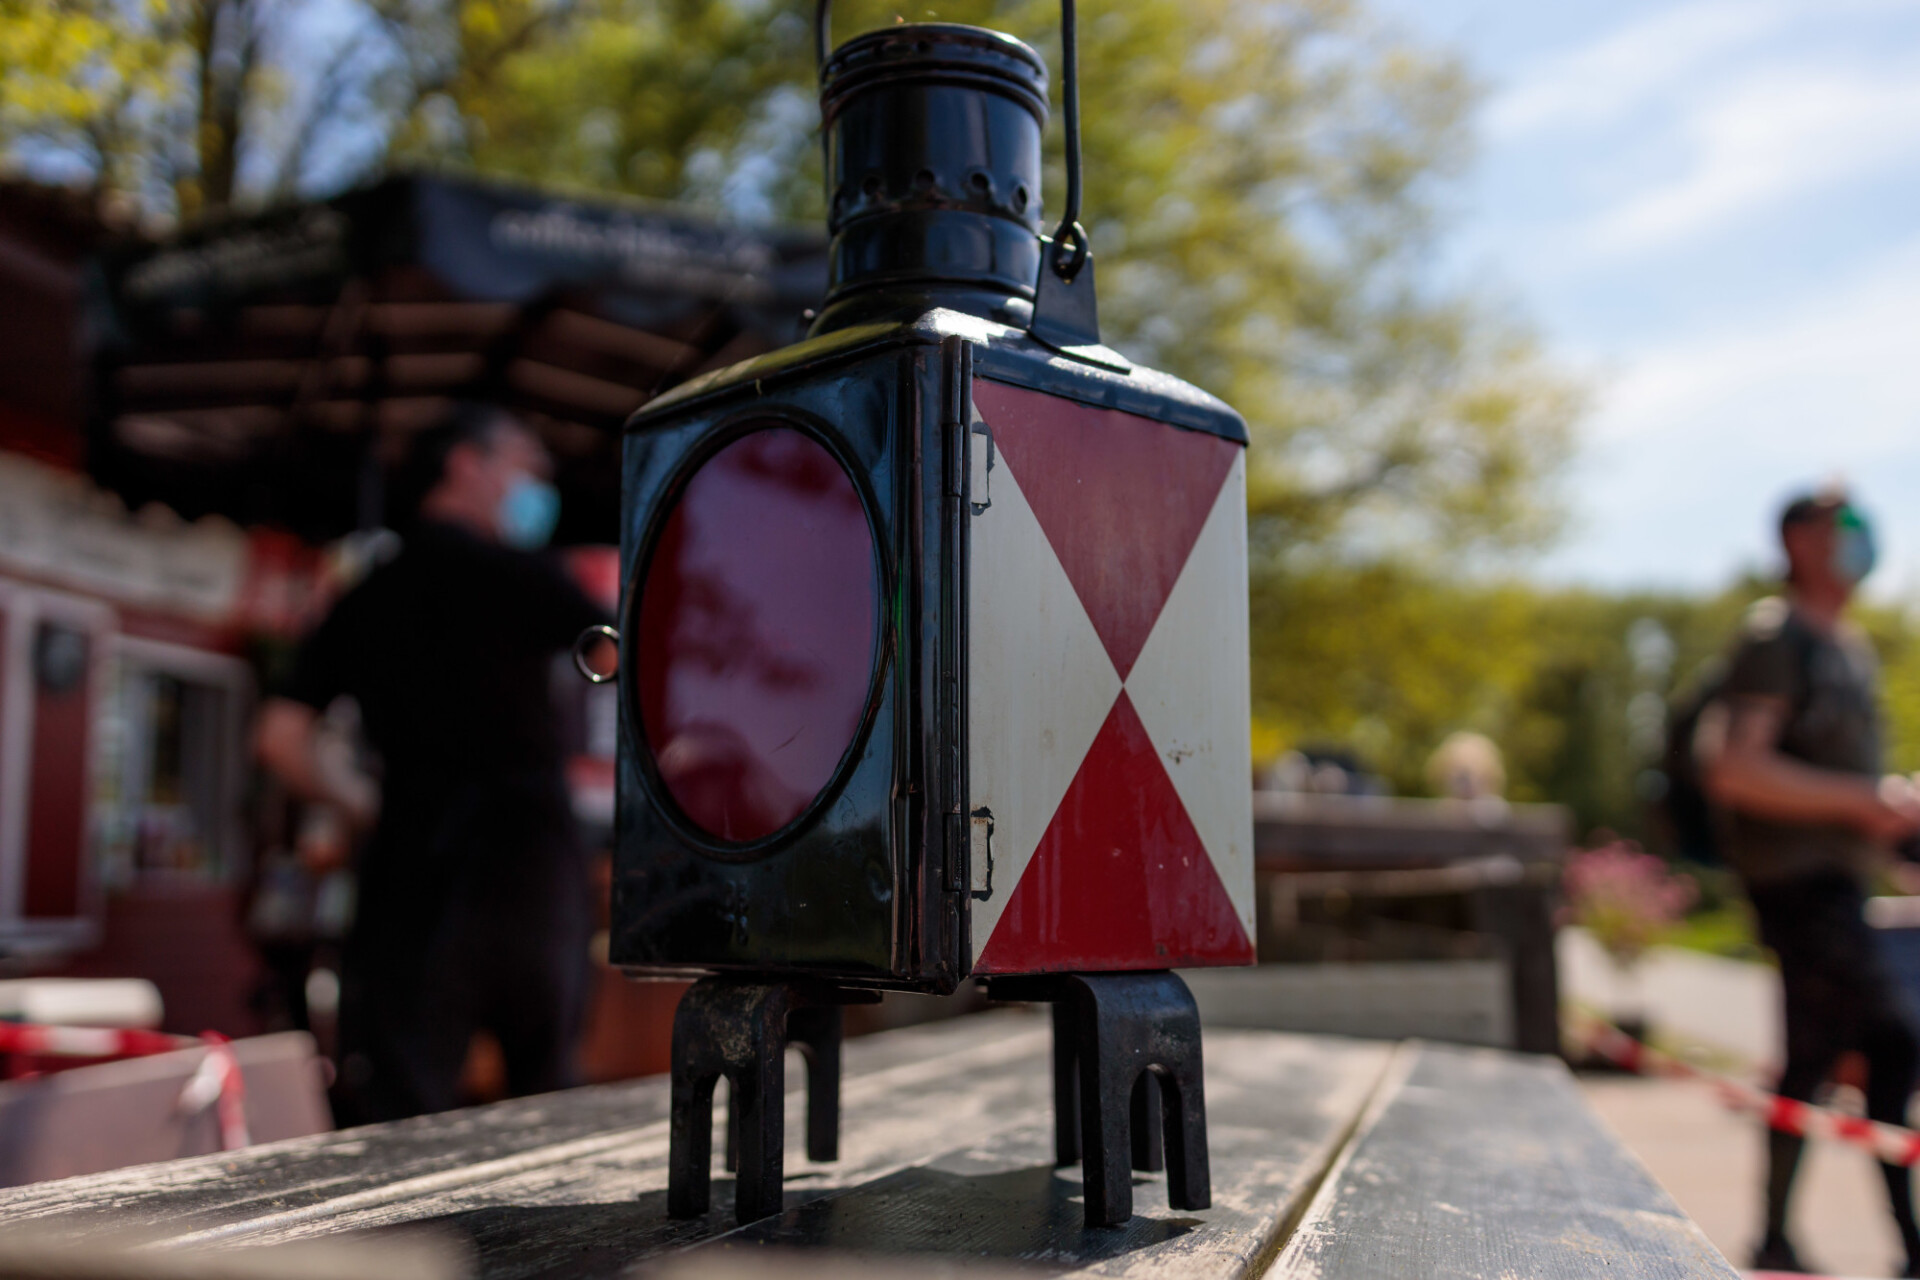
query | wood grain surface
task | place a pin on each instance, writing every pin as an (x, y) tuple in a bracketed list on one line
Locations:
[(1474, 1163), (946, 1163)]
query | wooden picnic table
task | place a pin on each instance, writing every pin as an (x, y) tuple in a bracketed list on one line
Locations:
[(1331, 1159)]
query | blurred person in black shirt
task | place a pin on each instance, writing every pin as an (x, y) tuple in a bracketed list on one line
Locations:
[(473, 908), (1792, 758)]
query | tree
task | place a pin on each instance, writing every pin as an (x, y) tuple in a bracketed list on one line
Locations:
[(186, 107), (1573, 684), (1261, 184)]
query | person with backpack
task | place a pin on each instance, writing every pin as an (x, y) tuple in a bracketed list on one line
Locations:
[(1788, 752)]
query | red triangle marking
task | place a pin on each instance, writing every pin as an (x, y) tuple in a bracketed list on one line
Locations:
[(1121, 499), (1120, 880)]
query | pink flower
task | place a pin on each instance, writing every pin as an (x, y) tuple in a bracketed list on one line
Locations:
[(1626, 898)]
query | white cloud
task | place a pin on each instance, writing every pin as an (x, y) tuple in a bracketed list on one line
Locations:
[(1844, 366), (1683, 197), (1622, 71), (1698, 439), (1769, 137)]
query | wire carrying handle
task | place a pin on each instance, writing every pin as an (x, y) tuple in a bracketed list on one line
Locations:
[(1069, 250)]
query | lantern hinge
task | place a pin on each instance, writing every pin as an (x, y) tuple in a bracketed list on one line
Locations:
[(956, 843), (955, 400)]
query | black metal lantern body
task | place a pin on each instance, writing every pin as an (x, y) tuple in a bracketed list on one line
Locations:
[(877, 877), (821, 883), (934, 625)]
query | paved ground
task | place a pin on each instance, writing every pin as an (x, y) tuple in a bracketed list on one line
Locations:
[(1711, 1161), (1708, 1158), (1727, 1004)]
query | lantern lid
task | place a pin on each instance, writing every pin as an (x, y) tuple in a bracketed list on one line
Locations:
[(942, 52), (1004, 353), (933, 141)]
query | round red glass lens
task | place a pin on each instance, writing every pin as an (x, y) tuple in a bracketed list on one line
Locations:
[(757, 621)]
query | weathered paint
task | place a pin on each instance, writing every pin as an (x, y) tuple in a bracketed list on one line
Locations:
[(1474, 1163), (1039, 682), (1107, 690), (1427, 1162), (946, 1160), (1191, 685)]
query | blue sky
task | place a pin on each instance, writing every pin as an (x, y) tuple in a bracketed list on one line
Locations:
[(1711, 210)]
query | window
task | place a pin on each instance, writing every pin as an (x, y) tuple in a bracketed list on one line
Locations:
[(171, 766)]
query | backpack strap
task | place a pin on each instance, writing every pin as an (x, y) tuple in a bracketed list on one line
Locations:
[(1806, 642)]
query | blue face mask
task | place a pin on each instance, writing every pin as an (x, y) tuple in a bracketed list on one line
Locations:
[(528, 512), (1854, 552)]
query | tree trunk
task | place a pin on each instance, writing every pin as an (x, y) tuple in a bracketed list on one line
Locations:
[(223, 48)]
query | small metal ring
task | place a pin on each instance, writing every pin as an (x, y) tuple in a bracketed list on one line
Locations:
[(1067, 264), (580, 643)]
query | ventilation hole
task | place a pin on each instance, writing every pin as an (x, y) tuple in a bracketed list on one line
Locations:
[(924, 178), (871, 187), (980, 182), (1020, 198)]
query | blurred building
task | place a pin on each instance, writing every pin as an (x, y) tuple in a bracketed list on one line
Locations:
[(196, 436)]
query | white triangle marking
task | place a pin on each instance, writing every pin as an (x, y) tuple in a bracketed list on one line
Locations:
[(1192, 690), (1039, 686)]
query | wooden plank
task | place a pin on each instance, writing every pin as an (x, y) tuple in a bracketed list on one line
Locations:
[(1481, 1165), (196, 1194), (946, 1149), (1278, 1108), (600, 1203), (1464, 1164), (237, 1188)]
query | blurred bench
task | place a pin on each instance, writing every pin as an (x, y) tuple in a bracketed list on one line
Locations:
[(1465, 890), (1332, 1159)]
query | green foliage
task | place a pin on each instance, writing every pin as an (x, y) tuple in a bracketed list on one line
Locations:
[(1263, 183), (1390, 659), (1725, 930), (94, 79), (1260, 185), (1895, 631), (182, 107), (680, 100)]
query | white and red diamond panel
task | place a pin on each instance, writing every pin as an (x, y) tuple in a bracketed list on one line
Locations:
[(1109, 767)]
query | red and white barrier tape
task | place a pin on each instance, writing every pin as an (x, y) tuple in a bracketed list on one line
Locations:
[(1891, 1144), (218, 1080), (87, 1042)]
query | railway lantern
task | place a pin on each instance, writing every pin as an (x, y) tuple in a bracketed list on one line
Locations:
[(934, 656)]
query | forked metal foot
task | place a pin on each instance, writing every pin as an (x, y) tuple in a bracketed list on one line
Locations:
[(817, 1032), (1126, 1071), (740, 1030)]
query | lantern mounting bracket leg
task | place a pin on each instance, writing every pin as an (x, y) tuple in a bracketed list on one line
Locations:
[(740, 1029), (1116, 1036)]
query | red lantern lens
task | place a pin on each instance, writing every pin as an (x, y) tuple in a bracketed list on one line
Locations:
[(757, 620)]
